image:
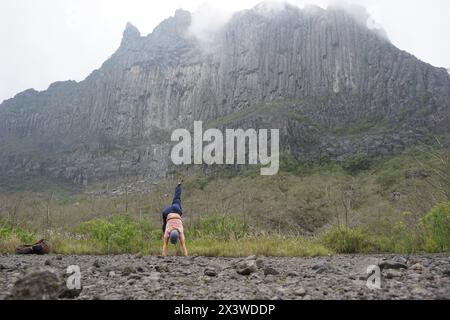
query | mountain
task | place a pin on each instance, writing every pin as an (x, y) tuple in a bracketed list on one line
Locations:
[(334, 87)]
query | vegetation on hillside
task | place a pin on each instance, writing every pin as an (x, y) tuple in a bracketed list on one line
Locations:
[(396, 204)]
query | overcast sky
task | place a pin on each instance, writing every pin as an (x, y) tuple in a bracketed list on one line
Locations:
[(43, 41)]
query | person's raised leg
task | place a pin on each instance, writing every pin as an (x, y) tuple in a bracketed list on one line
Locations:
[(177, 196)]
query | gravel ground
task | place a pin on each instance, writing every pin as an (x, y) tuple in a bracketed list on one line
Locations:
[(151, 277)]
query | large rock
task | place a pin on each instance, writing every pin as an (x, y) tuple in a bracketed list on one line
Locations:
[(41, 284), (323, 267), (321, 75)]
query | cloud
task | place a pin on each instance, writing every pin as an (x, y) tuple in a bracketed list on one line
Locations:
[(365, 15), (206, 21), (209, 19)]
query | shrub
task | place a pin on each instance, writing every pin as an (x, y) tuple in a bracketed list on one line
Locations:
[(288, 163), (437, 228), (22, 235), (404, 238), (357, 163), (119, 234), (346, 240), (218, 226)]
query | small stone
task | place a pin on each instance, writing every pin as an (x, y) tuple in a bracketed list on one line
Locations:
[(419, 291), (391, 274), (399, 259), (301, 292), (59, 257), (140, 269), (162, 268), (417, 267), (48, 262), (446, 272), (246, 268), (259, 263), (415, 276), (154, 276), (138, 255), (111, 274), (292, 274), (269, 270), (392, 265), (185, 263), (186, 272), (210, 272), (135, 276), (128, 270), (254, 276), (97, 263), (233, 277), (322, 267), (70, 294)]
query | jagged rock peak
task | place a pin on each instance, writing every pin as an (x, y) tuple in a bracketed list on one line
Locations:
[(130, 35), (176, 25), (131, 31), (183, 14)]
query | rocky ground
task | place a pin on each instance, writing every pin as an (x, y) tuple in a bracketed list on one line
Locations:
[(151, 277)]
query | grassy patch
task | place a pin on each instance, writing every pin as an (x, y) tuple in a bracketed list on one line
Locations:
[(268, 246), (216, 235), (346, 240)]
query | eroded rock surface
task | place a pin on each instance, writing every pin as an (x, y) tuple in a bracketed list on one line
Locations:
[(150, 277)]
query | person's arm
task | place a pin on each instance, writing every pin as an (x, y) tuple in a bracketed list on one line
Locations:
[(165, 214), (165, 242), (183, 245)]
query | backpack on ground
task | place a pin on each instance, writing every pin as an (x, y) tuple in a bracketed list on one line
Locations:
[(38, 248)]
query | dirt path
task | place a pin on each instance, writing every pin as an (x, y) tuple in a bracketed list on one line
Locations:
[(334, 277)]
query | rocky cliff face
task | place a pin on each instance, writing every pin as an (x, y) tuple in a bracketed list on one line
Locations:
[(333, 86)]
